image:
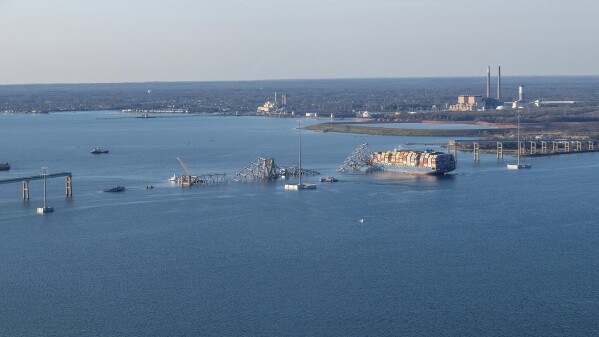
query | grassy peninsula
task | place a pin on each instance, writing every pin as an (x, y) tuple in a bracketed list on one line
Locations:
[(387, 131)]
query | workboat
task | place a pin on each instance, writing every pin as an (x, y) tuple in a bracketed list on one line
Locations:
[(45, 208), (173, 179), (4, 166), (97, 150), (518, 165), (300, 185), (115, 189), (328, 180)]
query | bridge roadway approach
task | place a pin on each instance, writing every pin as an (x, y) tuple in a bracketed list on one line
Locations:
[(529, 147), (26, 180)]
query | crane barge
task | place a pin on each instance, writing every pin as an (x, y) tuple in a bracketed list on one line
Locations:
[(208, 179)]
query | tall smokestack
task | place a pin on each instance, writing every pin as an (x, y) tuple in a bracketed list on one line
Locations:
[(521, 93), (498, 83), (488, 81)]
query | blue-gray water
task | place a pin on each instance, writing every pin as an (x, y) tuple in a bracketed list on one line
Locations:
[(483, 252)]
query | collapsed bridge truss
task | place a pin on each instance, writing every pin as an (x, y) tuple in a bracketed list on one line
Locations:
[(264, 169), (359, 158)]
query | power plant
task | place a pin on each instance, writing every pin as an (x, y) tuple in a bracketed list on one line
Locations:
[(477, 102)]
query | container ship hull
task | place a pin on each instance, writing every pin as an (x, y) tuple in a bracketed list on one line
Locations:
[(414, 162)]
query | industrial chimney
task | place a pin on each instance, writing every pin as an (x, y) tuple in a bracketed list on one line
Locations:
[(488, 81), (498, 83), (520, 93)]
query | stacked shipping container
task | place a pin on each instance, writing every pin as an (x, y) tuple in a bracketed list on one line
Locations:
[(428, 162)]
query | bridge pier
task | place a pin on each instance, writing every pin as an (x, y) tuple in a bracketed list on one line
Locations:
[(533, 147), (499, 150), (522, 148), (578, 146), (591, 145), (476, 150), (452, 145), (567, 146), (554, 146), (543, 147), (69, 186), (25, 189)]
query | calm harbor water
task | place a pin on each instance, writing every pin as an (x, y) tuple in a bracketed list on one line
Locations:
[(481, 252)]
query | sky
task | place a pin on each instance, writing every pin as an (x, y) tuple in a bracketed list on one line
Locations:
[(113, 41)]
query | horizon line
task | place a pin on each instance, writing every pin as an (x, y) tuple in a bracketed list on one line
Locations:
[(286, 79)]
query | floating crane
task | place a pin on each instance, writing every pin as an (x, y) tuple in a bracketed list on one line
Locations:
[(184, 166), (208, 179), (189, 179)]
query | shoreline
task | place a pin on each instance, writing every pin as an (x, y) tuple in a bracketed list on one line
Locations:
[(572, 130)]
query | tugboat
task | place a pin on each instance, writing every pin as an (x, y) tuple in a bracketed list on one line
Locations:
[(115, 189), (97, 150), (328, 179), (4, 166)]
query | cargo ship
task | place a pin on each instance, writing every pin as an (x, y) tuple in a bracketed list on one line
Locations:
[(416, 162)]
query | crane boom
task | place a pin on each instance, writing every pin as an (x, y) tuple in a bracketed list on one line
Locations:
[(184, 166)]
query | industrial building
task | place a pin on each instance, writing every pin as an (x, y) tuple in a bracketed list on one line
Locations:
[(274, 107), (468, 103), (477, 102)]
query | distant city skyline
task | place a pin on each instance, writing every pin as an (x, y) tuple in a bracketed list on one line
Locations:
[(114, 41)]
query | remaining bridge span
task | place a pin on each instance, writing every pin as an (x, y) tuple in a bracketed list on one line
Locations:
[(25, 181), (528, 147)]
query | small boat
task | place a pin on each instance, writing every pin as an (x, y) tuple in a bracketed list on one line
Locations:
[(4, 166), (173, 179), (97, 150), (328, 179), (518, 165), (149, 187), (300, 185), (115, 189), (46, 208)]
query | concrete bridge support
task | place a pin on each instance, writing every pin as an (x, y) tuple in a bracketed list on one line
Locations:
[(567, 146), (522, 148), (591, 145), (25, 189), (69, 186), (499, 150), (543, 147), (476, 150), (578, 146), (452, 148), (554, 146), (533, 147)]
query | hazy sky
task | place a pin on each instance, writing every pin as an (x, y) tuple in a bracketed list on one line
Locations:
[(74, 41)]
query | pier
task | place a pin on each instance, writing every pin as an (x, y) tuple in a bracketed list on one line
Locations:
[(529, 148), (25, 181)]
